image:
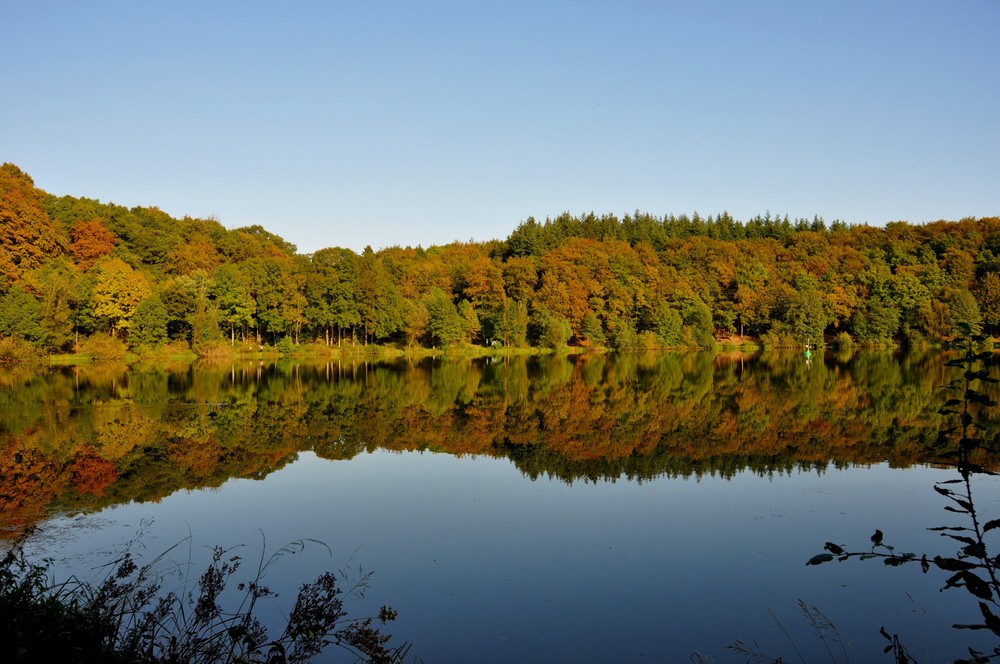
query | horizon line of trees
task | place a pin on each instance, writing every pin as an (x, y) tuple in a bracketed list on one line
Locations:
[(72, 268)]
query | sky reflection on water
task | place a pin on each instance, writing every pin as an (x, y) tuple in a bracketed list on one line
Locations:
[(484, 564)]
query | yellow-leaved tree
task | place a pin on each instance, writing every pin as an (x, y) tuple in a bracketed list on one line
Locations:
[(118, 290)]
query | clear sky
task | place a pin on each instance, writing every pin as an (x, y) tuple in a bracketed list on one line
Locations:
[(424, 122)]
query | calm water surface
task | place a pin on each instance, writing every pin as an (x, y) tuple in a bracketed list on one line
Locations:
[(634, 509)]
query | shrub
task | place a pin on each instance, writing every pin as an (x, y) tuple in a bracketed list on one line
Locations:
[(286, 346), (128, 618), (101, 346), (778, 337), (14, 350), (844, 341)]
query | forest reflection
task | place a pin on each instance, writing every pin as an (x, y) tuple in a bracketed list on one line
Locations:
[(92, 436)]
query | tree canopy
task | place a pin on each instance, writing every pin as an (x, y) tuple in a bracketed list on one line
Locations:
[(634, 281)]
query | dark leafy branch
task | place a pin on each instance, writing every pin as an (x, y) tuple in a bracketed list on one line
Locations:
[(971, 566)]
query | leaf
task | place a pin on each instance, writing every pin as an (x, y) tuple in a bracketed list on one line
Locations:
[(924, 565), (877, 537), (992, 622), (952, 564), (833, 548), (960, 538), (977, 586), (990, 525), (820, 558)]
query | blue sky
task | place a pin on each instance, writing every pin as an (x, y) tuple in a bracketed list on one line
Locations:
[(421, 123)]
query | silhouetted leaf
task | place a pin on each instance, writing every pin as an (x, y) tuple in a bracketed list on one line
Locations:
[(951, 564), (820, 558), (977, 586), (833, 548), (924, 565), (976, 397), (992, 621), (990, 525), (877, 537), (960, 538)]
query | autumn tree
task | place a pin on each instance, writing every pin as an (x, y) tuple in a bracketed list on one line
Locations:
[(90, 240), (118, 290), (28, 236), (197, 253)]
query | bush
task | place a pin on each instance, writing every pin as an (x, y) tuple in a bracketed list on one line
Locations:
[(844, 341), (286, 346), (214, 350), (14, 350), (649, 340), (100, 346), (128, 618), (778, 337)]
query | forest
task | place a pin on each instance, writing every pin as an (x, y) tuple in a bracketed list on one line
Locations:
[(76, 271)]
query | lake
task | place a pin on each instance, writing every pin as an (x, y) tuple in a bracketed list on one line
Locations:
[(581, 508)]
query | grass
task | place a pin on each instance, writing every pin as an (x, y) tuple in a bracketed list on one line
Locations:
[(129, 616)]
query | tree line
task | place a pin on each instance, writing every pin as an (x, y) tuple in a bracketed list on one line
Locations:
[(75, 268)]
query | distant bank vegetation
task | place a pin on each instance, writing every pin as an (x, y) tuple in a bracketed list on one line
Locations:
[(80, 275)]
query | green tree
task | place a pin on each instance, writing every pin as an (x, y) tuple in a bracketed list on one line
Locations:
[(381, 305), (806, 316), (965, 311), (988, 296), (877, 322), (667, 323), (697, 319), (416, 320), (445, 325), (513, 325), (57, 285), (231, 291), (149, 324), (21, 316), (592, 330), (550, 329)]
